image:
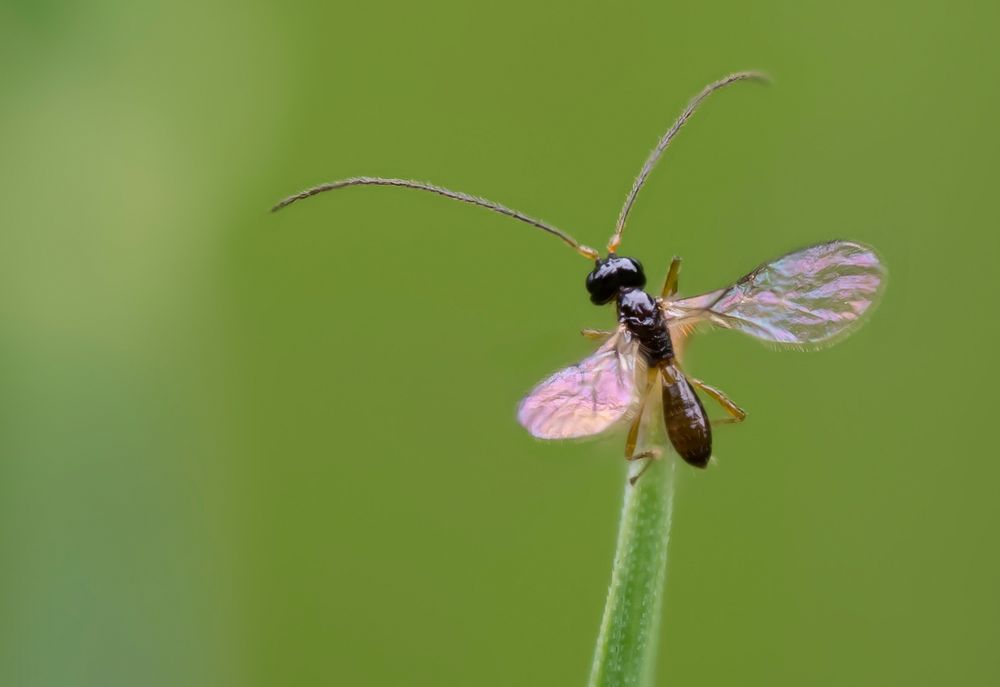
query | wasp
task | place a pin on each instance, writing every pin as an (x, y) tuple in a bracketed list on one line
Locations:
[(812, 296)]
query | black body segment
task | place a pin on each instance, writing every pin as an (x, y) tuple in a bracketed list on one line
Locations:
[(643, 317), (621, 279), (687, 425), (612, 274)]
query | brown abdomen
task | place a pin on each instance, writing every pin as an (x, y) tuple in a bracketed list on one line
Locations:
[(687, 425)]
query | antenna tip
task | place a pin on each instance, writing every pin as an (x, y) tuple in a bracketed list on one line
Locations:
[(763, 77), (284, 202)]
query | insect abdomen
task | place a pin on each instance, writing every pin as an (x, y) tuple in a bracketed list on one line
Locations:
[(687, 426)]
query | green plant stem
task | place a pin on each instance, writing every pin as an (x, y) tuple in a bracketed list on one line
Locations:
[(626, 645)]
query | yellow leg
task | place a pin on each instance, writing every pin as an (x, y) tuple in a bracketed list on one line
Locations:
[(737, 414), (595, 333), (633, 431), (670, 283)]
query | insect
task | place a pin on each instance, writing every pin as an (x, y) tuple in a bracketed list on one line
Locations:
[(809, 297)]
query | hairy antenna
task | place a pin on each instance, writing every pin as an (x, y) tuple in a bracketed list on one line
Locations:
[(654, 156), (585, 251)]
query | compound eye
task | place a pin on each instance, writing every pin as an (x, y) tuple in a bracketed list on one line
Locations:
[(601, 286)]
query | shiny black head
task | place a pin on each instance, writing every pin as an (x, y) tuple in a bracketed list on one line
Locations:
[(611, 274)]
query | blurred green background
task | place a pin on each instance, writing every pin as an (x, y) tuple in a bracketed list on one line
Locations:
[(249, 449)]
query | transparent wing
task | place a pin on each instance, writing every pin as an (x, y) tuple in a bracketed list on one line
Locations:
[(587, 398), (812, 296)]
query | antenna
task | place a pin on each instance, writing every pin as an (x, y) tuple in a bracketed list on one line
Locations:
[(585, 251), (654, 156)]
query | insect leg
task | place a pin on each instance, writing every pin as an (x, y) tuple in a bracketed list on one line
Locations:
[(642, 471), (670, 283), (595, 333), (737, 413), (633, 431)]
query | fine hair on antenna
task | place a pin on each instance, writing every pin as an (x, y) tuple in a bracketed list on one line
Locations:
[(654, 156), (583, 250)]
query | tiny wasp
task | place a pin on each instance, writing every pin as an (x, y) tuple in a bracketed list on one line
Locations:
[(811, 296)]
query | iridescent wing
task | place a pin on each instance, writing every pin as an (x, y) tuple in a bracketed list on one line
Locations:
[(812, 296), (587, 398)]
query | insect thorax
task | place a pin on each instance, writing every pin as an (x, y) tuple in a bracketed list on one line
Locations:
[(641, 315)]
